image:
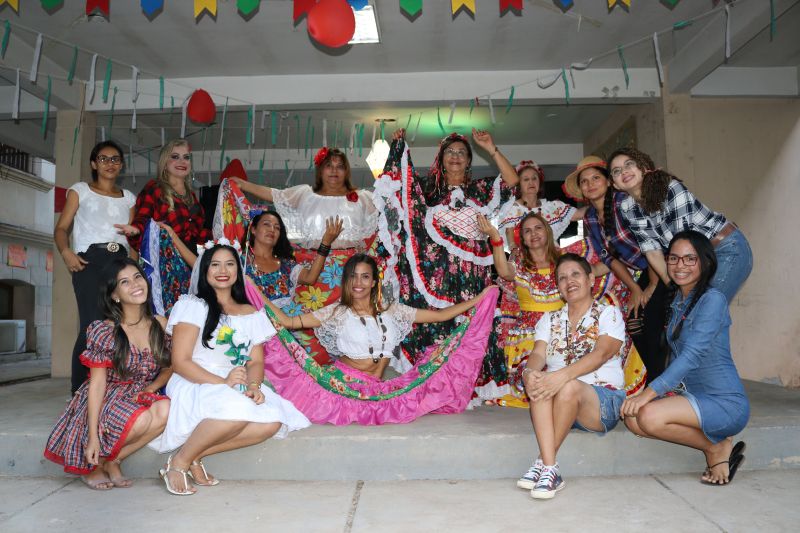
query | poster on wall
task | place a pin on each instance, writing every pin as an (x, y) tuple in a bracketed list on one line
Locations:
[(17, 256)]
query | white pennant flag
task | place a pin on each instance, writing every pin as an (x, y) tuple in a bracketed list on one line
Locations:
[(102, 133), (91, 78), (548, 81), (135, 84), (727, 31), (183, 116), (416, 129), (15, 105), (36, 55), (324, 132), (491, 111), (163, 138), (452, 112), (133, 117), (352, 138)]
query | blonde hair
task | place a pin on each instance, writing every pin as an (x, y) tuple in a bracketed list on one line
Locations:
[(163, 174)]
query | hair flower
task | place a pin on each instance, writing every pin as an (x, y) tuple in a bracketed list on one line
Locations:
[(321, 155), (352, 196)]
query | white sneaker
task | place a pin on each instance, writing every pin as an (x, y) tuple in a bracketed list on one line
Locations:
[(528, 481), (549, 483)]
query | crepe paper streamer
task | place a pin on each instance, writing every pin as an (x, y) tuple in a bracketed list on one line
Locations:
[(566, 85), (14, 4), (73, 64), (773, 23), (74, 142), (205, 5), (251, 125), (91, 86), (261, 168), (184, 107), (340, 134), (37, 53), (506, 4), (548, 81), (374, 132), (416, 129), (358, 5), (302, 7), (246, 7), (361, 140), (98, 5), (624, 66), (135, 83), (324, 132), (613, 3), (578, 66), (452, 112), (659, 66), (222, 125), (131, 165), (113, 104), (102, 133), (472, 103), (511, 99), (222, 157), (46, 113), (164, 138), (273, 127), (150, 7), (133, 118), (308, 130), (352, 139), (491, 111), (149, 162), (51, 4), (411, 7), (313, 134), (682, 24), (469, 5), (6, 36), (297, 134), (288, 132), (727, 31), (15, 105), (383, 127), (107, 80), (171, 109)]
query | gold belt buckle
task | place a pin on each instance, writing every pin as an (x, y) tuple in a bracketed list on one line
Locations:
[(112, 247)]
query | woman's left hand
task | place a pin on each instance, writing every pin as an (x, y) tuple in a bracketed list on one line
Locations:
[(631, 405), (127, 230), (547, 385), (484, 139), (256, 395), (168, 229), (333, 227)]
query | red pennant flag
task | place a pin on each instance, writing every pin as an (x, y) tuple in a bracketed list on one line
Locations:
[(506, 4), (302, 7), (101, 5)]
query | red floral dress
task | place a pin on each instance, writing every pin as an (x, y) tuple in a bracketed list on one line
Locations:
[(124, 401)]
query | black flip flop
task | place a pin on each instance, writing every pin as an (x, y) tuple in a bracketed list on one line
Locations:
[(738, 449)]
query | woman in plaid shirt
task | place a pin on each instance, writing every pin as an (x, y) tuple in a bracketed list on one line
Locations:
[(659, 206)]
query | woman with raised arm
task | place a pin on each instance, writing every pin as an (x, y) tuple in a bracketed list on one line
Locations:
[(119, 409)]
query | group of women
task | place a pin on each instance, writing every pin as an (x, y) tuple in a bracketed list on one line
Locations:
[(404, 277)]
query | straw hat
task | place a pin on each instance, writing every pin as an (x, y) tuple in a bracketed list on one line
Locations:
[(571, 187)]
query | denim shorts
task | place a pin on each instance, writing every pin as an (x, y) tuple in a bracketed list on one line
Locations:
[(610, 405)]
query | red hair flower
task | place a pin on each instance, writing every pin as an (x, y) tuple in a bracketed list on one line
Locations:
[(352, 196), (321, 155)]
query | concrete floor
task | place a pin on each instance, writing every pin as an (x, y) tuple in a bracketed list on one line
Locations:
[(763, 501)]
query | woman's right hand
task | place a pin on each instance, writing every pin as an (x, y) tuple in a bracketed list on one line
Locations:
[(166, 227), (237, 376), (486, 227), (74, 262), (399, 134), (636, 301), (92, 451)]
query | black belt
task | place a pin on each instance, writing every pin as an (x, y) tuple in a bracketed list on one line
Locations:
[(112, 247)]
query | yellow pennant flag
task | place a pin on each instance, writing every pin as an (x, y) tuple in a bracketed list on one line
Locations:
[(13, 3), (613, 3), (201, 5), (455, 5)]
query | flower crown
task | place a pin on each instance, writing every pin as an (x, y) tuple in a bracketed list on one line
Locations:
[(223, 241), (531, 164), (321, 155)]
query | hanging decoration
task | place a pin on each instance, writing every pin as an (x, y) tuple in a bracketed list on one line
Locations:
[(727, 32), (273, 119), (98, 5), (301, 7), (439, 120), (106, 80), (358, 5), (491, 111), (161, 93), (37, 54), (113, 105), (449, 119), (565, 4), (151, 7), (468, 5), (566, 85), (411, 7), (224, 120), (624, 67), (51, 4), (201, 6), (46, 112), (510, 100), (14, 4), (6, 35), (201, 108), (92, 69), (773, 23), (72, 65), (331, 23), (659, 66), (15, 105), (246, 7), (472, 106), (505, 5), (614, 3)]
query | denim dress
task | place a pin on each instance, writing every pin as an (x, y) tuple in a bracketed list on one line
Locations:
[(701, 360)]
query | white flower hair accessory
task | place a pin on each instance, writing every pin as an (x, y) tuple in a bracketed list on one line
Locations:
[(207, 246)]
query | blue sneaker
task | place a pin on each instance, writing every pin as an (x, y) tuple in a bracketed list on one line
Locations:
[(549, 483), (528, 481)]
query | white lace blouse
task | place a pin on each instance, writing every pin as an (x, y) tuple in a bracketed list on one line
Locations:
[(304, 213), (94, 221), (342, 332)]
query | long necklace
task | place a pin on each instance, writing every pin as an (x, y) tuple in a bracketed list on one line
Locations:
[(379, 321), (568, 334)]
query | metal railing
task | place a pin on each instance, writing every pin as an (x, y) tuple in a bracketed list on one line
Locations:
[(15, 158)]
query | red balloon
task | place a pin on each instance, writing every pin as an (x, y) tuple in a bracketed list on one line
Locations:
[(201, 108), (331, 23)]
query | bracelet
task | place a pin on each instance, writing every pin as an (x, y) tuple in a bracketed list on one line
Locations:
[(301, 321), (252, 383), (498, 242), (323, 250)]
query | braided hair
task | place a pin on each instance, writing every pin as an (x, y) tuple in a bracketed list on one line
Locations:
[(655, 184), (708, 267)]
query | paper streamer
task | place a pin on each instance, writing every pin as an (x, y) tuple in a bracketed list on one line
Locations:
[(15, 105), (113, 104), (251, 114), (383, 126), (161, 93), (102, 133), (264, 119), (107, 80), (135, 83), (133, 118), (308, 130), (73, 64), (510, 100), (681, 24), (773, 23), (288, 132), (548, 81), (727, 31), (491, 111), (452, 112), (37, 53), (324, 132), (164, 138), (416, 129), (46, 112), (439, 120), (361, 140), (185, 105), (578, 66), (203, 147), (222, 157), (352, 138), (6, 36), (222, 125), (297, 130), (566, 85), (472, 106), (273, 118), (74, 142), (131, 164), (659, 66), (624, 66)]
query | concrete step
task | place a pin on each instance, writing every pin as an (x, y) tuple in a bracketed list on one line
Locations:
[(486, 443), (16, 368)]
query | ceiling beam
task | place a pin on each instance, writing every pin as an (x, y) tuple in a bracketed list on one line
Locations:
[(706, 51), (741, 81)]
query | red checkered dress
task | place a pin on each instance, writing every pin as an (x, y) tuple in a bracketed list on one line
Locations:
[(123, 403)]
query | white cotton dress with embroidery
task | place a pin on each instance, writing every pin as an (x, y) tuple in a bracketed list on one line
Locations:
[(191, 403)]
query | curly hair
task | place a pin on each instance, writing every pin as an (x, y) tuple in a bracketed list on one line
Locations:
[(655, 183)]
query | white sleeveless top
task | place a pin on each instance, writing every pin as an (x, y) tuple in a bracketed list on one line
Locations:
[(94, 221)]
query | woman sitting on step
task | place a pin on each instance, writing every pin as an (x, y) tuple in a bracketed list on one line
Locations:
[(574, 377), (118, 410), (699, 400)]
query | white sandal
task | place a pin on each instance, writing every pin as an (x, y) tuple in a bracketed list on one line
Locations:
[(211, 482), (163, 472)]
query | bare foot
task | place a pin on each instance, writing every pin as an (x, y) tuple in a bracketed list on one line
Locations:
[(97, 480), (114, 472), (717, 461)]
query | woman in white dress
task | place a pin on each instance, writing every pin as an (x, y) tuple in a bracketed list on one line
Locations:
[(218, 400)]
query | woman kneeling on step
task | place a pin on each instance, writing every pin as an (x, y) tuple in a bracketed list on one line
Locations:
[(699, 401), (574, 376)]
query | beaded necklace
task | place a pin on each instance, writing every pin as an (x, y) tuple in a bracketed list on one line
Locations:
[(379, 321)]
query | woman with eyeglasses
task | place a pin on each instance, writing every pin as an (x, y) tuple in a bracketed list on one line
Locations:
[(659, 206), (169, 199), (96, 214), (436, 250), (699, 400)]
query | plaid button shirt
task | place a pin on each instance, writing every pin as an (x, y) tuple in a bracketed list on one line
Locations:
[(187, 221), (681, 211), (624, 244)]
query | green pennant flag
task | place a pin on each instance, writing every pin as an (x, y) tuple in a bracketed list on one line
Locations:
[(308, 130), (408, 122), (624, 67), (161, 93), (439, 119), (111, 117), (250, 119), (471, 106), (383, 129), (412, 7), (246, 7), (773, 23), (361, 140), (261, 168), (51, 4), (273, 119), (73, 64), (681, 24), (297, 131), (566, 84), (107, 81), (6, 35), (510, 100), (46, 113)]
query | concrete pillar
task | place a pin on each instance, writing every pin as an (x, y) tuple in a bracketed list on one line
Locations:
[(678, 135), (69, 170)]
